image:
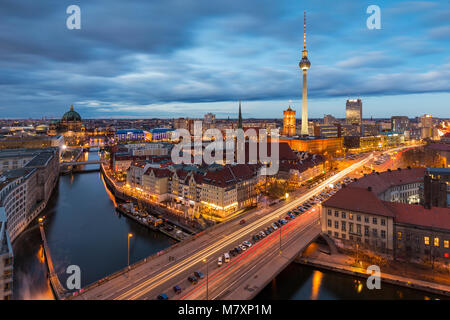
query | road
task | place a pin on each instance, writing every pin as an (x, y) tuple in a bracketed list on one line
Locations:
[(161, 273)]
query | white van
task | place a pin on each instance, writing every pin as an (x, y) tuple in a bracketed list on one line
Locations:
[(219, 261), (227, 257)]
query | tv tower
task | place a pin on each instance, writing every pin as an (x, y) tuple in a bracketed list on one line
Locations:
[(304, 65)]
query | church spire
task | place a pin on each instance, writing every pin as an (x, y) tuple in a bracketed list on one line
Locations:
[(240, 116)]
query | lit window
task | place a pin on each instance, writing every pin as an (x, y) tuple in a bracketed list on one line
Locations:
[(399, 236), (427, 240), (436, 242), (445, 243)]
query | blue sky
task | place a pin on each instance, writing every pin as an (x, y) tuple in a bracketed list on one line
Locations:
[(172, 58)]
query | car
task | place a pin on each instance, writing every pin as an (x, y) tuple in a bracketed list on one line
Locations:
[(243, 248), (177, 289), (287, 218), (192, 280), (271, 229), (247, 243), (219, 261), (198, 274), (162, 296), (262, 234), (284, 221), (255, 237), (267, 232), (242, 221), (226, 257), (274, 226), (291, 215), (233, 252), (277, 224)]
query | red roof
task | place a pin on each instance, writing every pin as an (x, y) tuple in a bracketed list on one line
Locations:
[(228, 175), (381, 181), (159, 173), (359, 200), (419, 215)]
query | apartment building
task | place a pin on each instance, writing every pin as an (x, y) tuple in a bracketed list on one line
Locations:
[(6, 259)]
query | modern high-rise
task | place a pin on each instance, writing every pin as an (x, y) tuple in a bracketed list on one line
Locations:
[(304, 65), (399, 123), (353, 111)]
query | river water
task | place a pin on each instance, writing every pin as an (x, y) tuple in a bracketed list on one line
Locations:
[(83, 229)]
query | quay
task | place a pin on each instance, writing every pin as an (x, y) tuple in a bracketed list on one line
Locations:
[(58, 290)]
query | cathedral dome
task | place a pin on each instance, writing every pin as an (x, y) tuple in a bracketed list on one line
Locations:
[(71, 115)]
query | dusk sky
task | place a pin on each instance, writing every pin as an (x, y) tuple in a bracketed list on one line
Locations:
[(175, 58)]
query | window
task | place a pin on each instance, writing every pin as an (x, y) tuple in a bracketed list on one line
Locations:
[(358, 229), (366, 231), (375, 232), (343, 226), (336, 214), (336, 234), (383, 222), (350, 227), (446, 244), (426, 241), (399, 236), (329, 223), (366, 219), (329, 212), (358, 218), (374, 220), (383, 234), (336, 224), (343, 215), (350, 216), (436, 242)]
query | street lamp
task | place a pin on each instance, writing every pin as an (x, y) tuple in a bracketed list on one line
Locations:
[(129, 236), (41, 220), (207, 277)]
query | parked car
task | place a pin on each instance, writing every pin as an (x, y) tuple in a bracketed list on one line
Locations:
[(163, 296), (192, 280), (247, 243), (198, 274), (226, 257), (242, 221), (255, 237), (243, 248), (274, 226), (177, 289), (219, 261)]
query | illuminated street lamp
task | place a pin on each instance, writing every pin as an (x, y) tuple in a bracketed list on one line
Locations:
[(207, 277), (41, 220), (129, 236)]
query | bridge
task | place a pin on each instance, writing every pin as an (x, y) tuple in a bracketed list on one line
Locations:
[(58, 290), (80, 163), (241, 278)]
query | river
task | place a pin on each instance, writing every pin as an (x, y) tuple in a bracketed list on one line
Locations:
[(83, 229)]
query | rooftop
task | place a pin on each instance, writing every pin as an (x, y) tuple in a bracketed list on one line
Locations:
[(381, 181)]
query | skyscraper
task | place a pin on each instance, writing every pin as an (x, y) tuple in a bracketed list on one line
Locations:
[(353, 111), (304, 65)]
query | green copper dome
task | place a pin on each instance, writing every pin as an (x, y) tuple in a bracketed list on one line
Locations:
[(71, 115)]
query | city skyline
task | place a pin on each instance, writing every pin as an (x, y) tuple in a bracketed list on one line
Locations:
[(218, 55)]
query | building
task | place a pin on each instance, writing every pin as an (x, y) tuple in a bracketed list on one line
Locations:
[(304, 66), (25, 190), (355, 216), (315, 145), (70, 126), (329, 119), (426, 125), (401, 185), (31, 142), (128, 135), (353, 111), (421, 234), (6, 259), (325, 130), (404, 231), (437, 188), (289, 122), (399, 123), (159, 134)]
